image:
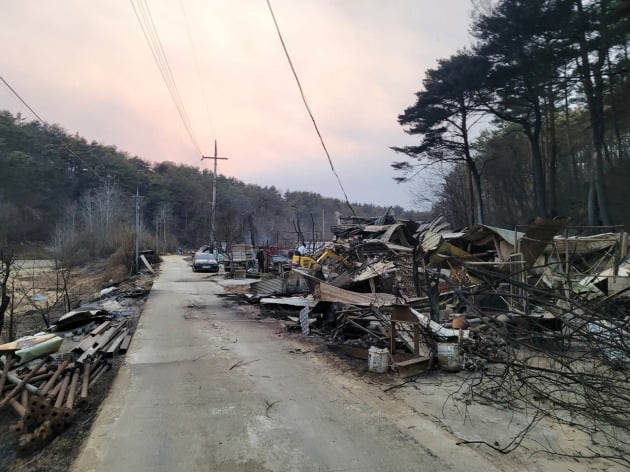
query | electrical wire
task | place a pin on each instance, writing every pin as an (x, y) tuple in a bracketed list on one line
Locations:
[(197, 68), (145, 19), (21, 99), (43, 123), (308, 109)]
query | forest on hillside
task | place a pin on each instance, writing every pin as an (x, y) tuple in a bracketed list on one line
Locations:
[(78, 196), (533, 120)]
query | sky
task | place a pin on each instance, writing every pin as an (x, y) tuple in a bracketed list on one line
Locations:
[(86, 66)]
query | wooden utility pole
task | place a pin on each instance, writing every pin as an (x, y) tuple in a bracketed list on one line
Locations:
[(137, 198), (214, 190)]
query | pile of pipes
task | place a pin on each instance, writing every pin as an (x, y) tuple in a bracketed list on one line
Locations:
[(46, 389)]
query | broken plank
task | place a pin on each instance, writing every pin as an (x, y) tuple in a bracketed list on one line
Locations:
[(25, 342), (413, 366), (146, 264), (100, 328), (125, 344), (290, 301), (113, 347)]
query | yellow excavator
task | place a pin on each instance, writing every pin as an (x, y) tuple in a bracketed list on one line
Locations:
[(308, 262)]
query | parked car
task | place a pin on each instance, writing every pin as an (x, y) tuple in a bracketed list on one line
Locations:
[(204, 261), (280, 263)]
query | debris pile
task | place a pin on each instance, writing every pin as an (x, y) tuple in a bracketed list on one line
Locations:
[(504, 285), (538, 313), (45, 391), (364, 290), (49, 377)]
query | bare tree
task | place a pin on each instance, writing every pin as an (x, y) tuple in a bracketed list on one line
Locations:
[(100, 211), (7, 261)]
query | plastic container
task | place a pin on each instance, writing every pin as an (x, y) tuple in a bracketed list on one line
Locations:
[(378, 360), (449, 357)]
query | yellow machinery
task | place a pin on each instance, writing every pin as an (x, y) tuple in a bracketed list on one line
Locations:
[(308, 262), (303, 261)]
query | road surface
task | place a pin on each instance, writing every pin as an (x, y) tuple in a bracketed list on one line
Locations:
[(207, 387)]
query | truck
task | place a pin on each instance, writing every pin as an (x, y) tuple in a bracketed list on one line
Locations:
[(239, 256)]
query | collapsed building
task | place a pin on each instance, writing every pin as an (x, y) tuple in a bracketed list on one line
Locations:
[(411, 287), (537, 314)]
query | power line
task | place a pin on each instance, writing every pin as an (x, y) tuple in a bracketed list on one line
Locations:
[(21, 99), (196, 61), (145, 19), (41, 120), (308, 109)]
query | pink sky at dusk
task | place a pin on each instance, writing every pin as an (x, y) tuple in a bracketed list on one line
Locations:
[(86, 66)]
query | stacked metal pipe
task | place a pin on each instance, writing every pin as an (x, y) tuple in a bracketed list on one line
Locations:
[(46, 393)]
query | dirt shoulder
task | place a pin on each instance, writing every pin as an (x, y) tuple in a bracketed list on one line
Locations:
[(124, 300)]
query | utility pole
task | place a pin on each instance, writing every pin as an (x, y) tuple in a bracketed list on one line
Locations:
[(137, 198), (214, 189), (164, 226), (157, 234)]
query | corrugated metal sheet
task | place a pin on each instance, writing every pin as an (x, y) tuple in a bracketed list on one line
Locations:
[(286, 284), (377, 269), (267, 287), (431, 241), (480, 234), (576, 245)]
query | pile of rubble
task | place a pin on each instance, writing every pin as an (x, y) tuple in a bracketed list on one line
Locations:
[(417, 288), (538, 314), (48, 377)]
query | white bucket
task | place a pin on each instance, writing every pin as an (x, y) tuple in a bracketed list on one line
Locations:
[(378, 360), (448, 357)]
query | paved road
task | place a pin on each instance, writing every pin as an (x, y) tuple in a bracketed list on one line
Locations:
[(207, 388)]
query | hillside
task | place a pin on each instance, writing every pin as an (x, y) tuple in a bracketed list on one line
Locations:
[(54, 184)]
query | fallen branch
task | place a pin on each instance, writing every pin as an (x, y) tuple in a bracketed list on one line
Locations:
[(269, 405), (242, 363)]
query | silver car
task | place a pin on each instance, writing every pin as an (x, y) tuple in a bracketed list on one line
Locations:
[(204, 262)]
